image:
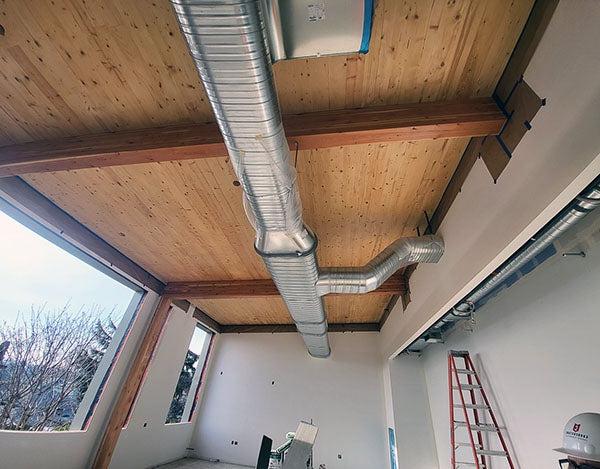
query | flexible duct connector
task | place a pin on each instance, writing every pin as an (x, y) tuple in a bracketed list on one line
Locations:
[(228, 44), (402, 252), (584, 204)]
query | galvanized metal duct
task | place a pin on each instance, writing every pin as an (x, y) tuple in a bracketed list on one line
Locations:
[(400, 253), (228, 44), (227, 41), (584, 204)]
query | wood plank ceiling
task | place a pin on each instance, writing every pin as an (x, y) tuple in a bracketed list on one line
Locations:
[(70, 67)]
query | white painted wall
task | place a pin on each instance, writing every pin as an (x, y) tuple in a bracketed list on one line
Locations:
[(536, 347), (552, 164), (138, 447), (147, 441), (414, 429), (71, 450), (342, 394)]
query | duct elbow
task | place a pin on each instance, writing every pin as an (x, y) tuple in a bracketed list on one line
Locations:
[(427, 249), (402, 252)]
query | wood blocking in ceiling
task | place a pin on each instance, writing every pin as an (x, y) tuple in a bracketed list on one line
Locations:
[(72, 68)]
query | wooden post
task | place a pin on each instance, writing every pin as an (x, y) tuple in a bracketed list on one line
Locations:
[(131, 387)]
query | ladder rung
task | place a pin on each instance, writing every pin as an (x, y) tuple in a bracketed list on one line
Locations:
[(482, 427), (467, 386), (466, 443), (464, 463), (464, 371), (489, 452), (472, 406), (459, 353)]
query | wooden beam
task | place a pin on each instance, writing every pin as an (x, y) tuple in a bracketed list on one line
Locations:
[(26, 199), (533, 31), (388, 309), (279, 328), (396, 284), (199, 315), (531, 35), (133, 382), (463, 169), (207, 320), (417, 121)]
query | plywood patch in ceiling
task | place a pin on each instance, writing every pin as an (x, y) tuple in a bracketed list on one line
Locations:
[(272, 310)]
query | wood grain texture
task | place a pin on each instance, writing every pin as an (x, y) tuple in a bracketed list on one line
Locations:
[(185, 220), (71, 67), (325, 129), (129, 69), (534, 29), (130, 388), (29, 201), (509, 82), (291, 328), (272, 310), (210, 289)]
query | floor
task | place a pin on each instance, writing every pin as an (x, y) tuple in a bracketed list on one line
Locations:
[(188, 463)]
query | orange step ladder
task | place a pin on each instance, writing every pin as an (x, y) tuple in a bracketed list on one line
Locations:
[(470, 396)]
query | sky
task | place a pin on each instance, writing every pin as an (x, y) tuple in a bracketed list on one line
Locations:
[(198, 339), (34, 272)]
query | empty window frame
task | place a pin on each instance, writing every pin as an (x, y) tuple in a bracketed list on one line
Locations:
[(64, 317), (190, 378)]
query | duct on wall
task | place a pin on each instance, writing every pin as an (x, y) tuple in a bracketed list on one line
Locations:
[(584, 204), (228, 43)]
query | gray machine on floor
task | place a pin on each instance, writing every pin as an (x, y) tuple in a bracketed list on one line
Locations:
[(295, 453)]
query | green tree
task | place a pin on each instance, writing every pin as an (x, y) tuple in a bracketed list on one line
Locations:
[(184, 383)]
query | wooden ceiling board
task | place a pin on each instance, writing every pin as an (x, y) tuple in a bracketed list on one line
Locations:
[(272, 309), (421, 50), (185, 220), (358, 199), (181, 220), (71, 68)]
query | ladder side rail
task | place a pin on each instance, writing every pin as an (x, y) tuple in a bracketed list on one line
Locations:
[(491, 412), (451, 400), (468, 366), (466, 414)]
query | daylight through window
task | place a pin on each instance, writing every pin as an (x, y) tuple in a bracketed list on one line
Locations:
[(62, 322), (182, 405)]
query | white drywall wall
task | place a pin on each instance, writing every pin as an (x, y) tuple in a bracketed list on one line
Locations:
[(71, 450), (414, 430), (536, 346), (138, 446), (555, 161), (389, 413), (147, 441), (343, 395)]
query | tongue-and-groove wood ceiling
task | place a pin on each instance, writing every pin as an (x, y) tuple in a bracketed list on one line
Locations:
[(75, 67)]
